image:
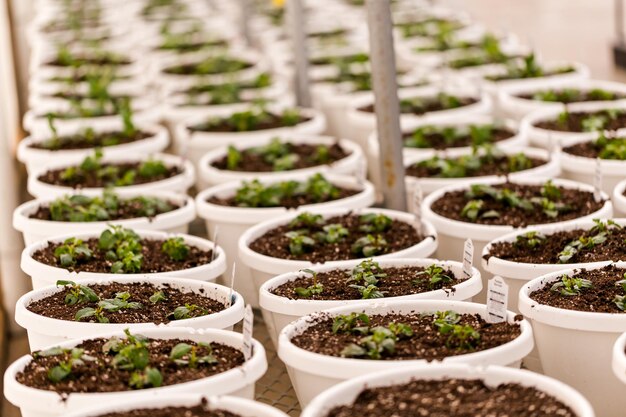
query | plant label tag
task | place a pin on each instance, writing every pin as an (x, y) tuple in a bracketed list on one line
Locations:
[(597, 182), (232, 284), (215, 236), (361, 171), (416, 206), (468, 258), (497, 299), (248, 325)]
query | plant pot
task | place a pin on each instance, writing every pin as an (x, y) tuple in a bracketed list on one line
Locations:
[(195, 144), (238, 381), (619, 199), (208, 175), (453, 233), (543, 138), (45, 331), (43, 275), (346, 392), (263, 267), (232, 222), (550, 169), (235, 405), (619, 358), (179, 183), (582, 335), (516, 107), (311, 373), (34, 158), (279, 311), (176, 221)]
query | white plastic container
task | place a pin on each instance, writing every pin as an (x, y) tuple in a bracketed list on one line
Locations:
[(619, 199), (45, 331), (346, 392), (34, 158), (562, 335), (238, 406), (279, 311), (43, 275), (179, 183), (452, 234), (208, 175), (238, 381), (311, 373), (263, 267), (550, 169), (619, 358), (232, 222), (175, 221)]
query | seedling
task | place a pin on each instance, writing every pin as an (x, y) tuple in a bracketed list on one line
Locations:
[(370, 245), (176, 248), (157, 297), (314, 289), (570, 286), (368, 272), (63, 370), (375, 223), (77, 293), (472, 209), (380, 340), (368, 292), (332, 233), (583, 242), (233, 158), (436, 276), (299, 242), (463, 337), (530, 239), (351, 323), (620, 300), (185, 354), (307, 219), (71, 252), (188, 311), (152, 168), (123, 248), (111, 305), (149, 377)]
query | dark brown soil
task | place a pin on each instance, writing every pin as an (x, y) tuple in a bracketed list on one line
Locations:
[(200, 410), (398, 282), (429, 106), (425, 343), (274, 243), (438, 141), (154, 260), (597, 299), (54, 306), (574, 122), (101, 376), (495, 166), (92, 60), (273, 121), (192, 69), (581, 203), (593, 149), (613, 249), (293, 201), (91, 179), (79, 141), (453, 398), (254, 162), (581, 96)]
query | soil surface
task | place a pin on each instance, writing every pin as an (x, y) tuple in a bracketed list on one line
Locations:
[(158, 312), (491, 166), (154, 260), (398, 281), (273, 121), (195, 411), (91, 179), (254, 162), (274, 243), (580, 203), (425, 343), (437, 140), (598, 299), (427, 106), (101, 375), (571, 96), (292, 201), (595, 150), (574, 121), (80, 141), (453, 398)]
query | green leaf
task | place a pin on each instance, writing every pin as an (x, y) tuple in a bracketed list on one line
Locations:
[(180, 350), (84, 313)]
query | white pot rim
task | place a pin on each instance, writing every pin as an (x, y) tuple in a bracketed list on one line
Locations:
[(511, 94), (619, 199), (328, 366), (74, 329), (564, 318), (586, 165), (619, 358), (282, 305), (462, 229)]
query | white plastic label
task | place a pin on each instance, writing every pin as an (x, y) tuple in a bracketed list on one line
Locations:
[(597, 182), (215, 236), (232, 284), (361, 171), (248, 325), (468, 258), (497, 299), (416, 206)]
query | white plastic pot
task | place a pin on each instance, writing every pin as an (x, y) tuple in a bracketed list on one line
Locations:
[(311, 373), (208, 175), (45, 331), (263, 267), (238, 406), (43, 275), (194, 144), (562, 335), (34, 158), (279, 311), (516, 107), (175, 221), (543, 138), (179, 183), (550, 169), (238, 381), (453, 233), (619, 199), (619, 358), (346, 392), (232, 222)]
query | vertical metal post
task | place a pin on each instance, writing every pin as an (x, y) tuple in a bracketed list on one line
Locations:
[(387, 106), (244, 24), (619, 21), (298, 34)]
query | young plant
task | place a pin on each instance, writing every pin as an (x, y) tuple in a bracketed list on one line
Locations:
[(571, 286), (374, 223), (307, 219), (184, 354), (460, 336), (71, 252), (188, 311), (351, 323), (583, 242), (132, 354), (332, 233), (380, 340), (620, 300), (77, 293), (111, 305), (123, 248), (314, 289), (234, 157), (157, 297), (299, 242), (152, 168), (176, 248), (369, 246), (76, 357), (530, 240), (368, 272), (436, 276)]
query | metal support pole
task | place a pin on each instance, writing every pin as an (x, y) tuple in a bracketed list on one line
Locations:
[(244, 16), (387, 106), (298, 33)]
